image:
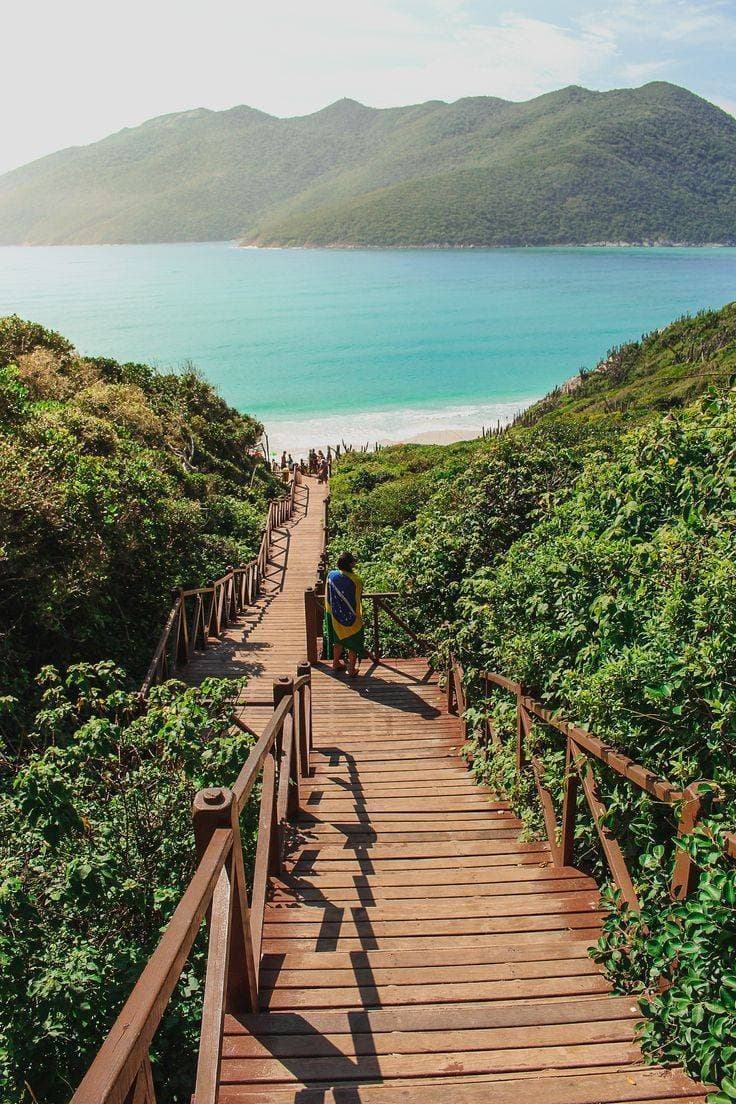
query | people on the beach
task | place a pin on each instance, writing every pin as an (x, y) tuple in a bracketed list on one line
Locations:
[(343, 624), (317, 463)]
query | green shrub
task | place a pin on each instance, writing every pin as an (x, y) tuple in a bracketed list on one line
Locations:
[(590, 554), (117, 483), (97, 848)]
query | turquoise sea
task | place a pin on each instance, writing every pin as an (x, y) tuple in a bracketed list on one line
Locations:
[(363, 344)]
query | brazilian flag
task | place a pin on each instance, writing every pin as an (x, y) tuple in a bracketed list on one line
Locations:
[(344, 613)]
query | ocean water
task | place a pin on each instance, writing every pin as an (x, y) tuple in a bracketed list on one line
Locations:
[(363, 345)]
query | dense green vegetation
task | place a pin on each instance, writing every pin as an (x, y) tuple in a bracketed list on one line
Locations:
[(96, 850), (116, 484), (665, 370), (649, 164), (590, 554)]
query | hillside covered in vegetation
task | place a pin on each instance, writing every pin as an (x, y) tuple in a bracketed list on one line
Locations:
[(652, 164), (117, 483), (590, 553)]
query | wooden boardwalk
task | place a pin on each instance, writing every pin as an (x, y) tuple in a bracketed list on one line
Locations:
[(414, 950), (268, 640)]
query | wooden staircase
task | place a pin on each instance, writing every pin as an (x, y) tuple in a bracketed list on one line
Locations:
[(414, 949), (397, 942)]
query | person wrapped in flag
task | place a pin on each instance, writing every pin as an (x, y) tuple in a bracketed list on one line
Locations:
[(343, 626)]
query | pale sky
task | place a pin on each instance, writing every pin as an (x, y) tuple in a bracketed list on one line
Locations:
[(76, 70)]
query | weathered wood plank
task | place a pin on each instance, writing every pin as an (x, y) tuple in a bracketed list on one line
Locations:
[(632, 1085), (449, 1063)]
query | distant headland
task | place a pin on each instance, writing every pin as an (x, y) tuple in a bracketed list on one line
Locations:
[(653, 166)]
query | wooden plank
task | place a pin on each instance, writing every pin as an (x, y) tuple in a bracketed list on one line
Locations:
[(367, 893), (264, 851), (556, 946), (370, 996), (215, 991), (423, 806), (508, 904), (421, 942), (279, 943), (611, 848), (370, 836), (422, 1042), (448, 1063), (507, 878), (337, 789), (347, 927), (436, 1019), (323, 978), (605, 1086), (443, 853)]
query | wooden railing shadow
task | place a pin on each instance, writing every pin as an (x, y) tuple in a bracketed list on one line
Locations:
[(218, 893), (277, 563), (366, 1063), (369, 686)]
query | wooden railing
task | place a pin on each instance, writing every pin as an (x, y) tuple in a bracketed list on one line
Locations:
[(198, 617), (217, 891), (380, 602), (583, 752)]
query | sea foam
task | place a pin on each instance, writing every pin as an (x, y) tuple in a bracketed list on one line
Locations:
[(360, 428)]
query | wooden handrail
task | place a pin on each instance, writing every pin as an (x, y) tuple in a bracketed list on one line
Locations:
[(314, 609), (217, 890), (621, 764), (582, 750), (249, 772), (118, 1060)]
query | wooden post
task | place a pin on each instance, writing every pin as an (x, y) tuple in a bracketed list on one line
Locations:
[(213, 809), (181, 648), (305, 719), (283, 687), (142, 1090), (200, 629), (569, 805), (263, 549), (229, 613), (685, 874), (450, 685), (310, 623), (520, 729), (376, 633), (242, 587), (213, 623), (322, 572)]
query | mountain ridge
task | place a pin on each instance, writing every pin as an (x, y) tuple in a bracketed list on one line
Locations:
[(572, 166)]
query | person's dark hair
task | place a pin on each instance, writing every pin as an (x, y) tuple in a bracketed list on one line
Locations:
[(346, 561)]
